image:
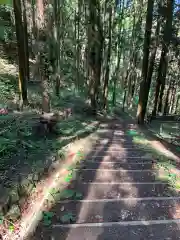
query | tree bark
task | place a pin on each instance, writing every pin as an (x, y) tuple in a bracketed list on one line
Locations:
[(163, 65), (95, 44), (21, 47), (106, 79), (145, 84)]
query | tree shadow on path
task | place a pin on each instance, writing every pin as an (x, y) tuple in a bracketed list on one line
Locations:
[(116, 203)]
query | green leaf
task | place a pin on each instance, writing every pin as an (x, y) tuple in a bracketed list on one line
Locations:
[(136, 99), (68, 178), (47, 222), (178, 149), (177, 186), (80, 154), (1, 219), (78, 196), (11, 228), (67, 218), (172, 175), (48, 214), (70, 168), (132, 132), (67, 193), (53, 191)]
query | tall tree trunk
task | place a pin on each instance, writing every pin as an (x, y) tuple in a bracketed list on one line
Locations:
[(163, 65), (57, 44), (42, 59), (177, 104), (167, 99), (21, 47), (119, 49), (106, 79), (95, 52), (172, 100), (34, 27), (26, 45), (153, 53), (157, 91), (145, 86), (78, 44)]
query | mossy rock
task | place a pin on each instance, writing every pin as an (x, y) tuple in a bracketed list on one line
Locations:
[(30, 177), (4, 199), (26, 187), (22, 201), (14, 195), (36, 177), (14, 213)]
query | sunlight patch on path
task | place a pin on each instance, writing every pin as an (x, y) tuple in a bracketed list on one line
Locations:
[(158, 146)]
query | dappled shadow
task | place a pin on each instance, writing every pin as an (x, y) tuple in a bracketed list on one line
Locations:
[(107, 197), (141, 210)]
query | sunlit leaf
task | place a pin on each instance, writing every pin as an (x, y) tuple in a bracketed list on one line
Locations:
[(70, 167), (11, 228), (177, 186), (53, 191), (68, 177)]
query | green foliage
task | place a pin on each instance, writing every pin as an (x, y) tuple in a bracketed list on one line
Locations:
[(78, 196), (7, 29), (67, 193), (8, 86), (1, 219), (6, 2), (70, 194), (132, 132), (47, 216), (68, 218)]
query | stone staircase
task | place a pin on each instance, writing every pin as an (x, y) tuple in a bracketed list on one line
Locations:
[(122, 198)]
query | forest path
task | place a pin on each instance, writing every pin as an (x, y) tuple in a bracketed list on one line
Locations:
[(121, 198)]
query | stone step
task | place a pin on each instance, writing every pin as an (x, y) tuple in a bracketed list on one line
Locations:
[(119, 190), (115, 211), (105, 175), (118, 153), (119, 165), (116, 140), (128, 160), (151, 230), (120, 147), (111, 136)]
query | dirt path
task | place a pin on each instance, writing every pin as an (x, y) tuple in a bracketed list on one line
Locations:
[(122, 198)]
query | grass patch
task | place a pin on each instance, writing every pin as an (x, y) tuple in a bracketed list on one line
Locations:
[(167, 167)]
